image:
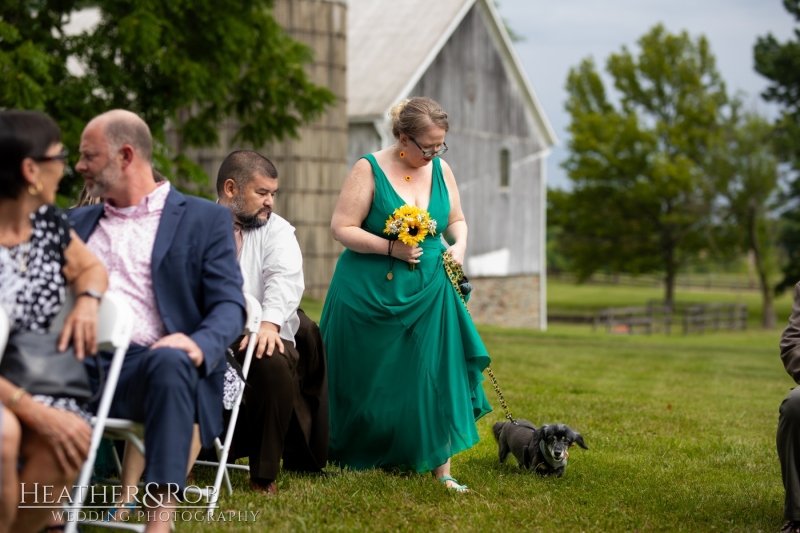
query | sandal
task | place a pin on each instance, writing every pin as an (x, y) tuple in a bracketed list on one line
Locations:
[(457, 488), (125, 507)]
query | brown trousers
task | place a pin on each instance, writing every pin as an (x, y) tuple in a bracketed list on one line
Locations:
[(284, 413)]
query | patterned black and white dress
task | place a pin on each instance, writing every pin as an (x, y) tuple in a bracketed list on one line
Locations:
[(32, 287)]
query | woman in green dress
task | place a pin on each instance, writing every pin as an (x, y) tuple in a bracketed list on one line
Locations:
[(404, 357)]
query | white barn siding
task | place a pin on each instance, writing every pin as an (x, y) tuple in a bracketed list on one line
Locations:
[(487, 113)]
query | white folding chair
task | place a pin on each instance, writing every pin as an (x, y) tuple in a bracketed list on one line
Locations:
[(5, 327), (130, 431), (251, 328), (114, 330)]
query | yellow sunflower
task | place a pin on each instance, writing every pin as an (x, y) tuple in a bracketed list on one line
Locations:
[(410, 224)]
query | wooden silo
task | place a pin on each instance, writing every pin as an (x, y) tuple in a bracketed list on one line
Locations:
[(312, 168)]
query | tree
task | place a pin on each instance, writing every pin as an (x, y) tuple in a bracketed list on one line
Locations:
[(33, 64), (789, 239), (187, 65), (746, 174), (780, 63), (641, 198)]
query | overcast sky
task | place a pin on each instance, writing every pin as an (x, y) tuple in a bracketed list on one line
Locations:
[(558, 35)]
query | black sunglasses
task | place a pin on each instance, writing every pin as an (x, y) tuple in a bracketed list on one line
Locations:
[(61, 156), (430, 153)]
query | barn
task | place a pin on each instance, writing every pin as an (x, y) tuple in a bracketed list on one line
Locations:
[(459, 53)]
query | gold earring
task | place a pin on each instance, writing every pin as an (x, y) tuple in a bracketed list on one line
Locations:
[(402, 154), (35, 191)]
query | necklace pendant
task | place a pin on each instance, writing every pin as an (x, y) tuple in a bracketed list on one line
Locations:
[(389, 276), (408, 178), (23, 267)]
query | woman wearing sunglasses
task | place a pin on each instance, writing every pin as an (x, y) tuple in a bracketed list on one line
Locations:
[(39, 256)]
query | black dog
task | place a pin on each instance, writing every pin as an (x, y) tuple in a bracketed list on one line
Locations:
[(542, 450)]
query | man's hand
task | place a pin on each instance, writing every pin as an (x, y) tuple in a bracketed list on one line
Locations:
[(268, 338), (181, 342), (81, 327)]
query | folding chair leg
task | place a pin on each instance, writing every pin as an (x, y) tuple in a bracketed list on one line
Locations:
[(219, 449), (222, 469), (97, 434)]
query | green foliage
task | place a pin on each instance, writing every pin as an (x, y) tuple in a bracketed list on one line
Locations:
[(789, 241), (184, 66), (780, 63), (33, 66), (745, 169), (641, 196), (556, 260)]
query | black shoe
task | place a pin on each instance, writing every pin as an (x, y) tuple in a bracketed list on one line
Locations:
[(791, 526), (264, 486)]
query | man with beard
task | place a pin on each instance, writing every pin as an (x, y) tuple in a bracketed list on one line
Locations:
[(285, 411), (174, 259)]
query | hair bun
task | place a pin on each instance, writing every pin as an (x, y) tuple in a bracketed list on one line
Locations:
[(414, 116), (397, 108)]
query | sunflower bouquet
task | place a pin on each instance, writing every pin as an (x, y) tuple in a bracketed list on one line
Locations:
[(410, 225)]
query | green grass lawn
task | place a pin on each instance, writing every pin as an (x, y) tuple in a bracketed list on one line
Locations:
[(681, 432)]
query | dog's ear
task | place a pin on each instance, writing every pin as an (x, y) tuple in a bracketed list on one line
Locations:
[(577, 438), (538, 434)]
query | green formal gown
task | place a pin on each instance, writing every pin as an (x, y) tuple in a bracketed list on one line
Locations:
[(404, 358)]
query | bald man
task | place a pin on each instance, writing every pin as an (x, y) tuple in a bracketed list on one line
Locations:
[(173, 258)]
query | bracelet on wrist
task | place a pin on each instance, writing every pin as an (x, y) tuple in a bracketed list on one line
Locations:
[(16, 397)]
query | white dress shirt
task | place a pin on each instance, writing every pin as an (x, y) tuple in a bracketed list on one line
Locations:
[(272, 267)]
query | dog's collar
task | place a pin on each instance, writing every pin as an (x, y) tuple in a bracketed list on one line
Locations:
[(547, 457)]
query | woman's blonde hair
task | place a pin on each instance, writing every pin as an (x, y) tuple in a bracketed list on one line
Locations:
[(413, 117)]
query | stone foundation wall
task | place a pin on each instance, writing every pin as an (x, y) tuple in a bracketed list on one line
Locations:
[(512, 301)]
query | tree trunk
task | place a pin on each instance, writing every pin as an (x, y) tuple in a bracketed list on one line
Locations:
[(768, 318), (670, 268), (669, 286)]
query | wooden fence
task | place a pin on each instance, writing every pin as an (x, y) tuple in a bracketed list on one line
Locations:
[(692, 318), (708, 282)]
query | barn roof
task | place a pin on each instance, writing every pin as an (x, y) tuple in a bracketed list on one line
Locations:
[(391, 44)]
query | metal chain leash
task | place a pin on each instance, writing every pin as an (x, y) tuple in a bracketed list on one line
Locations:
[(455, 273)]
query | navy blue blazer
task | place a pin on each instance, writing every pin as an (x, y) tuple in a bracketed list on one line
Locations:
[(197, 284)]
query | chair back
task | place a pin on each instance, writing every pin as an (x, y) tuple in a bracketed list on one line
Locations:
[(5, 327), (253, 315)]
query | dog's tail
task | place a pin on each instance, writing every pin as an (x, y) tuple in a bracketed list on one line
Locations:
[(496, 429)]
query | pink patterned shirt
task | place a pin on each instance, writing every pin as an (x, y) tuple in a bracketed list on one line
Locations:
[(123, 241)]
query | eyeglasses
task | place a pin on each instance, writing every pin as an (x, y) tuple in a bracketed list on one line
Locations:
[(430, 153), (61, 156)]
